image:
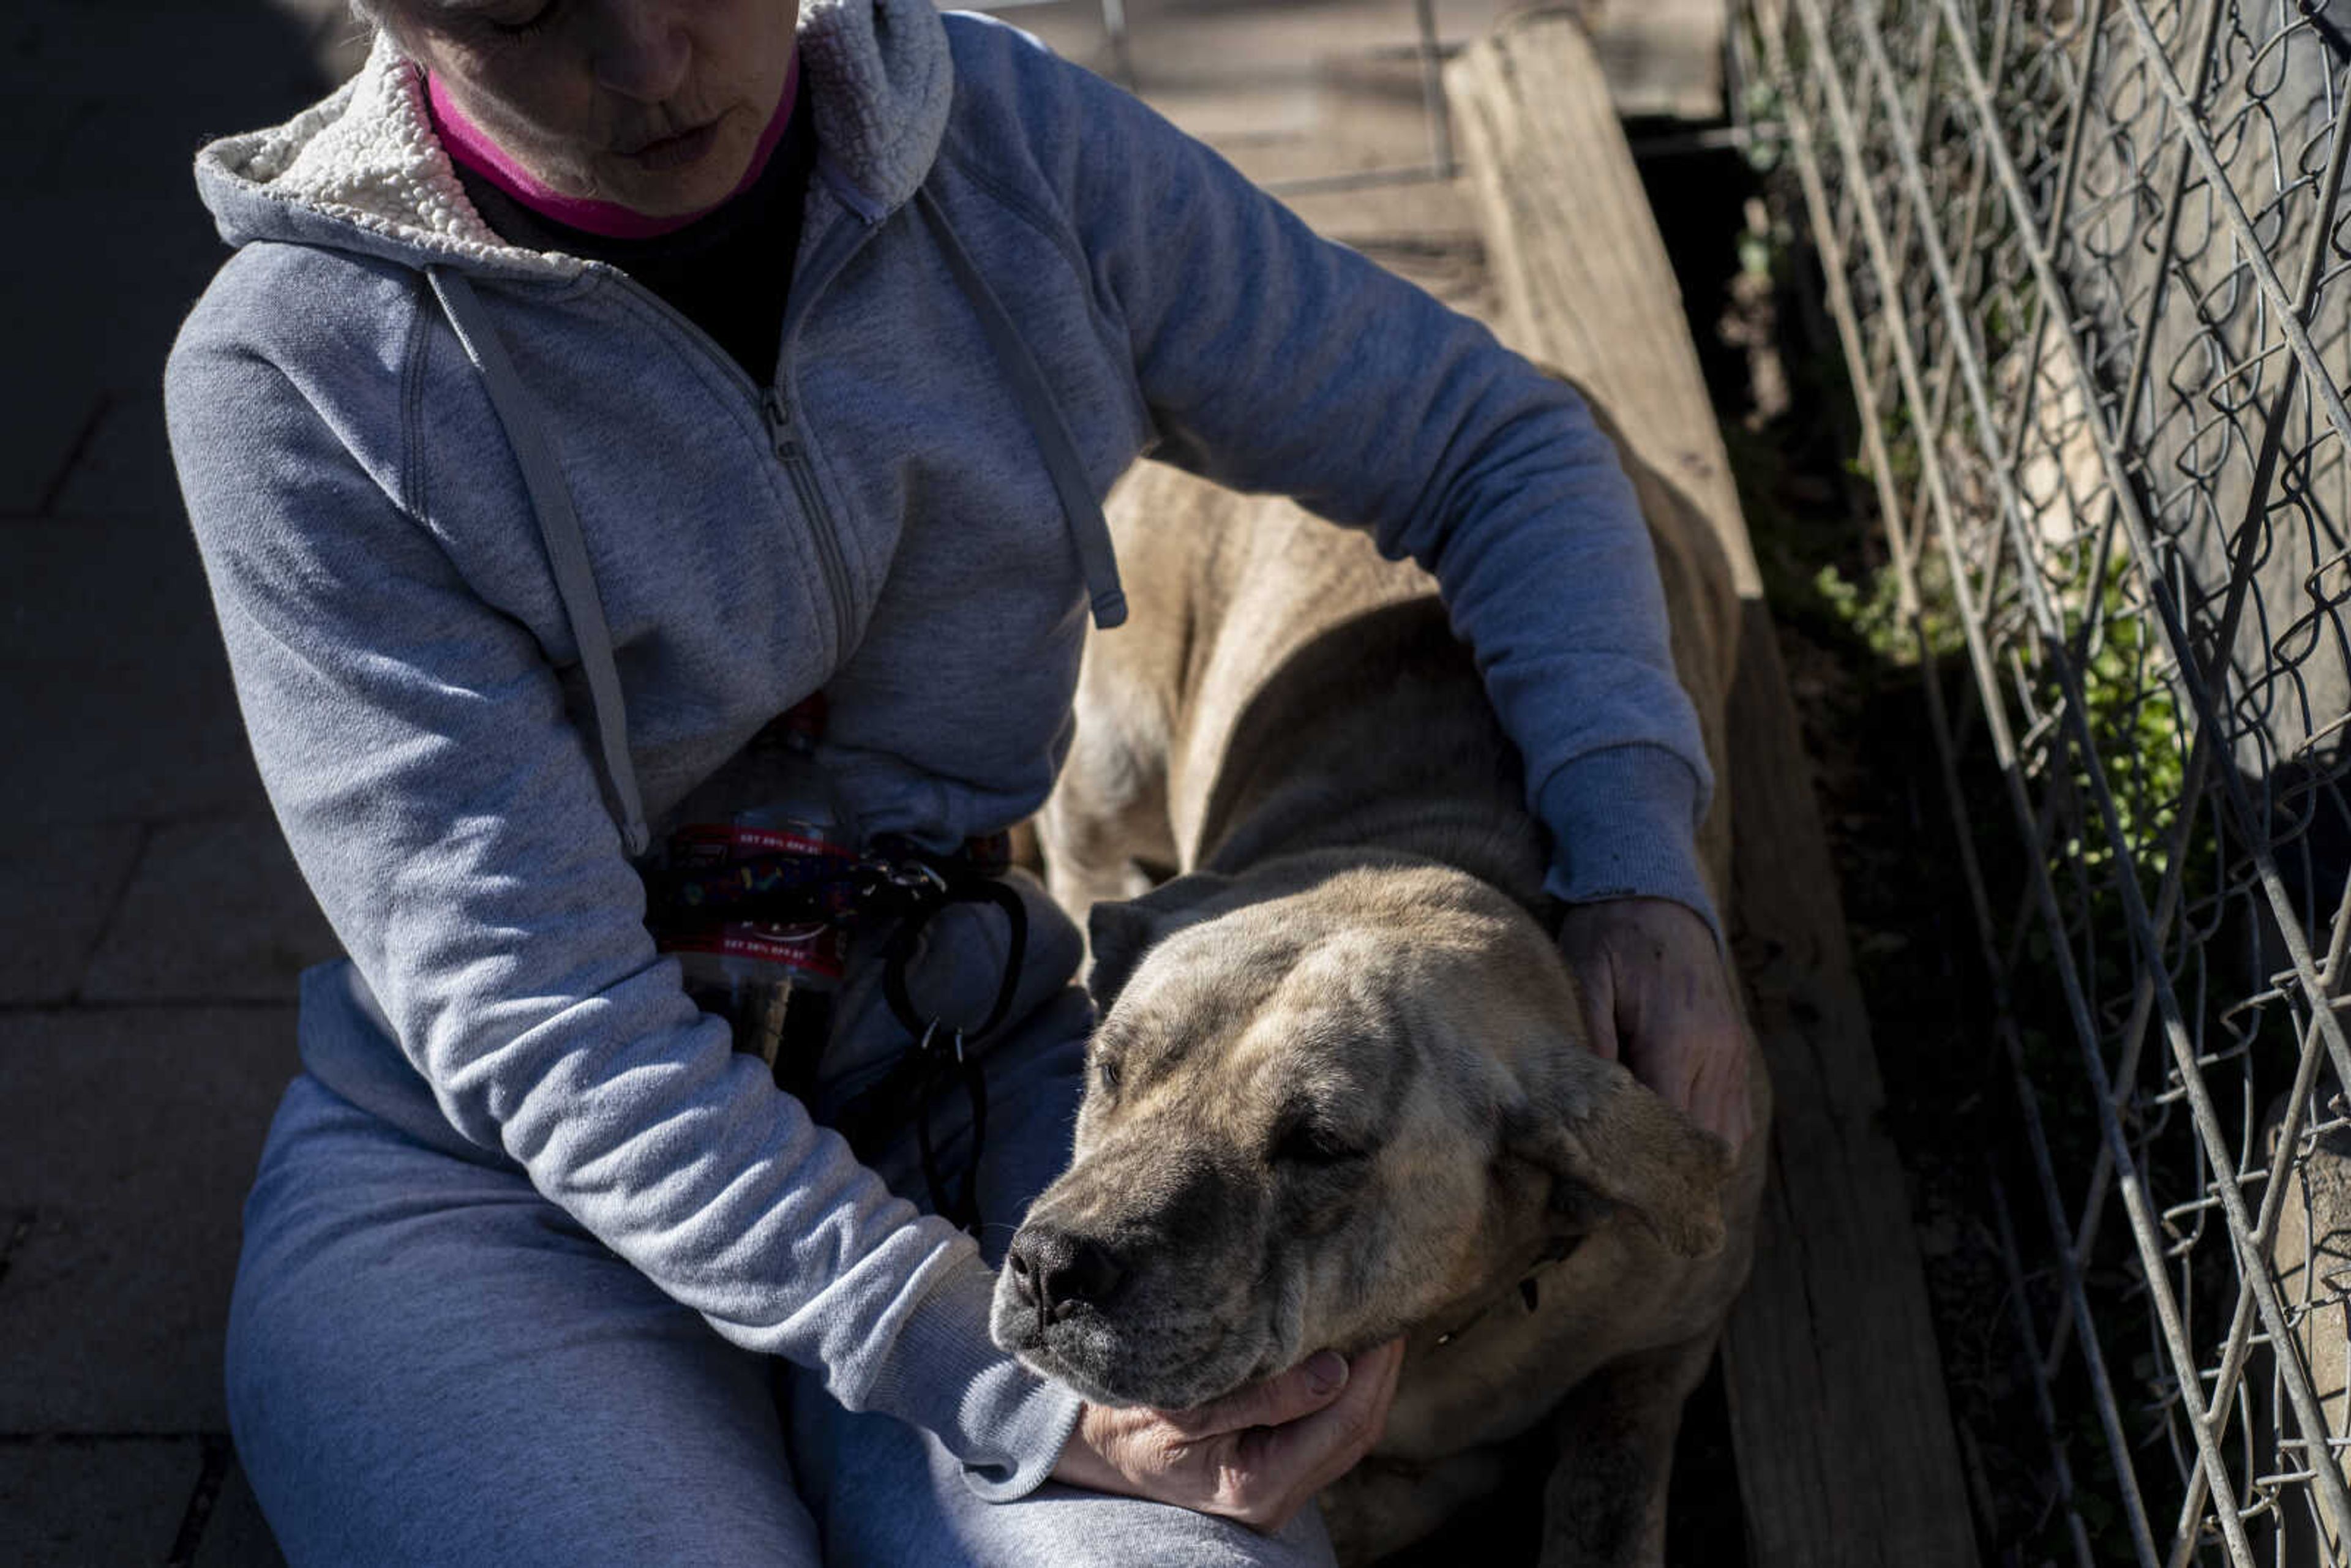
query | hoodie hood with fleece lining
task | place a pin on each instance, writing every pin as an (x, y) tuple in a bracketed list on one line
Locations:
[(364, 170)]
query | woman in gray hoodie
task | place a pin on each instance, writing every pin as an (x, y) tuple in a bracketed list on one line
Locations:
[(592, 382)]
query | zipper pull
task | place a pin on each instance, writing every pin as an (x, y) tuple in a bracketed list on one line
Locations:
[(780, 426)]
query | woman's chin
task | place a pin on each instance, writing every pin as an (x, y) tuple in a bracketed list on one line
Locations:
[(681, 176)]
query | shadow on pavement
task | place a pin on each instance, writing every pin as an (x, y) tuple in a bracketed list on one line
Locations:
[(150, 924)]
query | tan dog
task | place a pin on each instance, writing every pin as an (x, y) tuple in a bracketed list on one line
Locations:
[(1339, 1090)]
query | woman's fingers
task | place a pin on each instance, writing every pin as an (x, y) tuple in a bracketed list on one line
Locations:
[(1274, 1472), (1654, 964), (1595, 984), (1720, 1104), (1305, 1388), (1259, 1455)]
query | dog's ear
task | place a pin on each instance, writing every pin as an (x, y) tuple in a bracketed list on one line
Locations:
[(1602, 1135), (1119, 933)]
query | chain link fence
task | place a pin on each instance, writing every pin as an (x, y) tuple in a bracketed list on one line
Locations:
[(2090, 263)]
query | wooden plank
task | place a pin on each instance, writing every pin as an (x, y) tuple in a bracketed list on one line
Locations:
[(1846, 1449), (1576, 258), (1837, 1406), (1663, 59)]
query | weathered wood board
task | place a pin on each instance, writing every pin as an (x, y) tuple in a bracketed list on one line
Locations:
[(1662, 58), (1846, 1449)]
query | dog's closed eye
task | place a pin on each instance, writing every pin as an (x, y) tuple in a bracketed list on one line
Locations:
[(1304, 1141)]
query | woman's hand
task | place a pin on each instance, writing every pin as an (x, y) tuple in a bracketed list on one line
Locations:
[(1654, 994), (1257, 1455)]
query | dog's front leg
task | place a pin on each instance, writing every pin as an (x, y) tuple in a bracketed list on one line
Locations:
[(1605, 1506), (1107, 819)]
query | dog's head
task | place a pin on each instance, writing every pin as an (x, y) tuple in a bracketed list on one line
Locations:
[(1322, 1104)]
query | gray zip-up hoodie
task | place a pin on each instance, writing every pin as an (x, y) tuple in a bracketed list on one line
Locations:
[(878, 524)]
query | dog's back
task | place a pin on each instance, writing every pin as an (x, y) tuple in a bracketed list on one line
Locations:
[(1221, 588), (1225, 588), (1313, 760)]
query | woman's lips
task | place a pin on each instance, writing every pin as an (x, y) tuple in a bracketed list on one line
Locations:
[(675, 152)]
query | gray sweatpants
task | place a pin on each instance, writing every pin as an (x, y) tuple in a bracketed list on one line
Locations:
[(429, 1364)]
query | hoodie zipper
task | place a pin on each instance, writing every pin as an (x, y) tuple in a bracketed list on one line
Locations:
[(775, 409), (789, 453)]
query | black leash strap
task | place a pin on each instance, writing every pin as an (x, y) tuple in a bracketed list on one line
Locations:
[(957, 889), (940, 1052), (960, 1206)]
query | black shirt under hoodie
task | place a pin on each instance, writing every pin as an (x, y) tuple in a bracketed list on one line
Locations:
[(727, 271)]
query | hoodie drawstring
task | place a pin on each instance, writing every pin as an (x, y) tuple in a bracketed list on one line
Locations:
[(1089, 530), (558, 530)]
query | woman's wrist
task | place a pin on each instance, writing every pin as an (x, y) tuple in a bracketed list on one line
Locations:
[(1082, 1463)]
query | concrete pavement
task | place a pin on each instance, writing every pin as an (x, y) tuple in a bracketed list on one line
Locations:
[(151, 922)]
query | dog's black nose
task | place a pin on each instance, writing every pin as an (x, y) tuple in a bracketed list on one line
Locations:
[(1052, 1268)]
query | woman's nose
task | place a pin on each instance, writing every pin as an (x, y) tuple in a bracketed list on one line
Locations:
[(643, 50)]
